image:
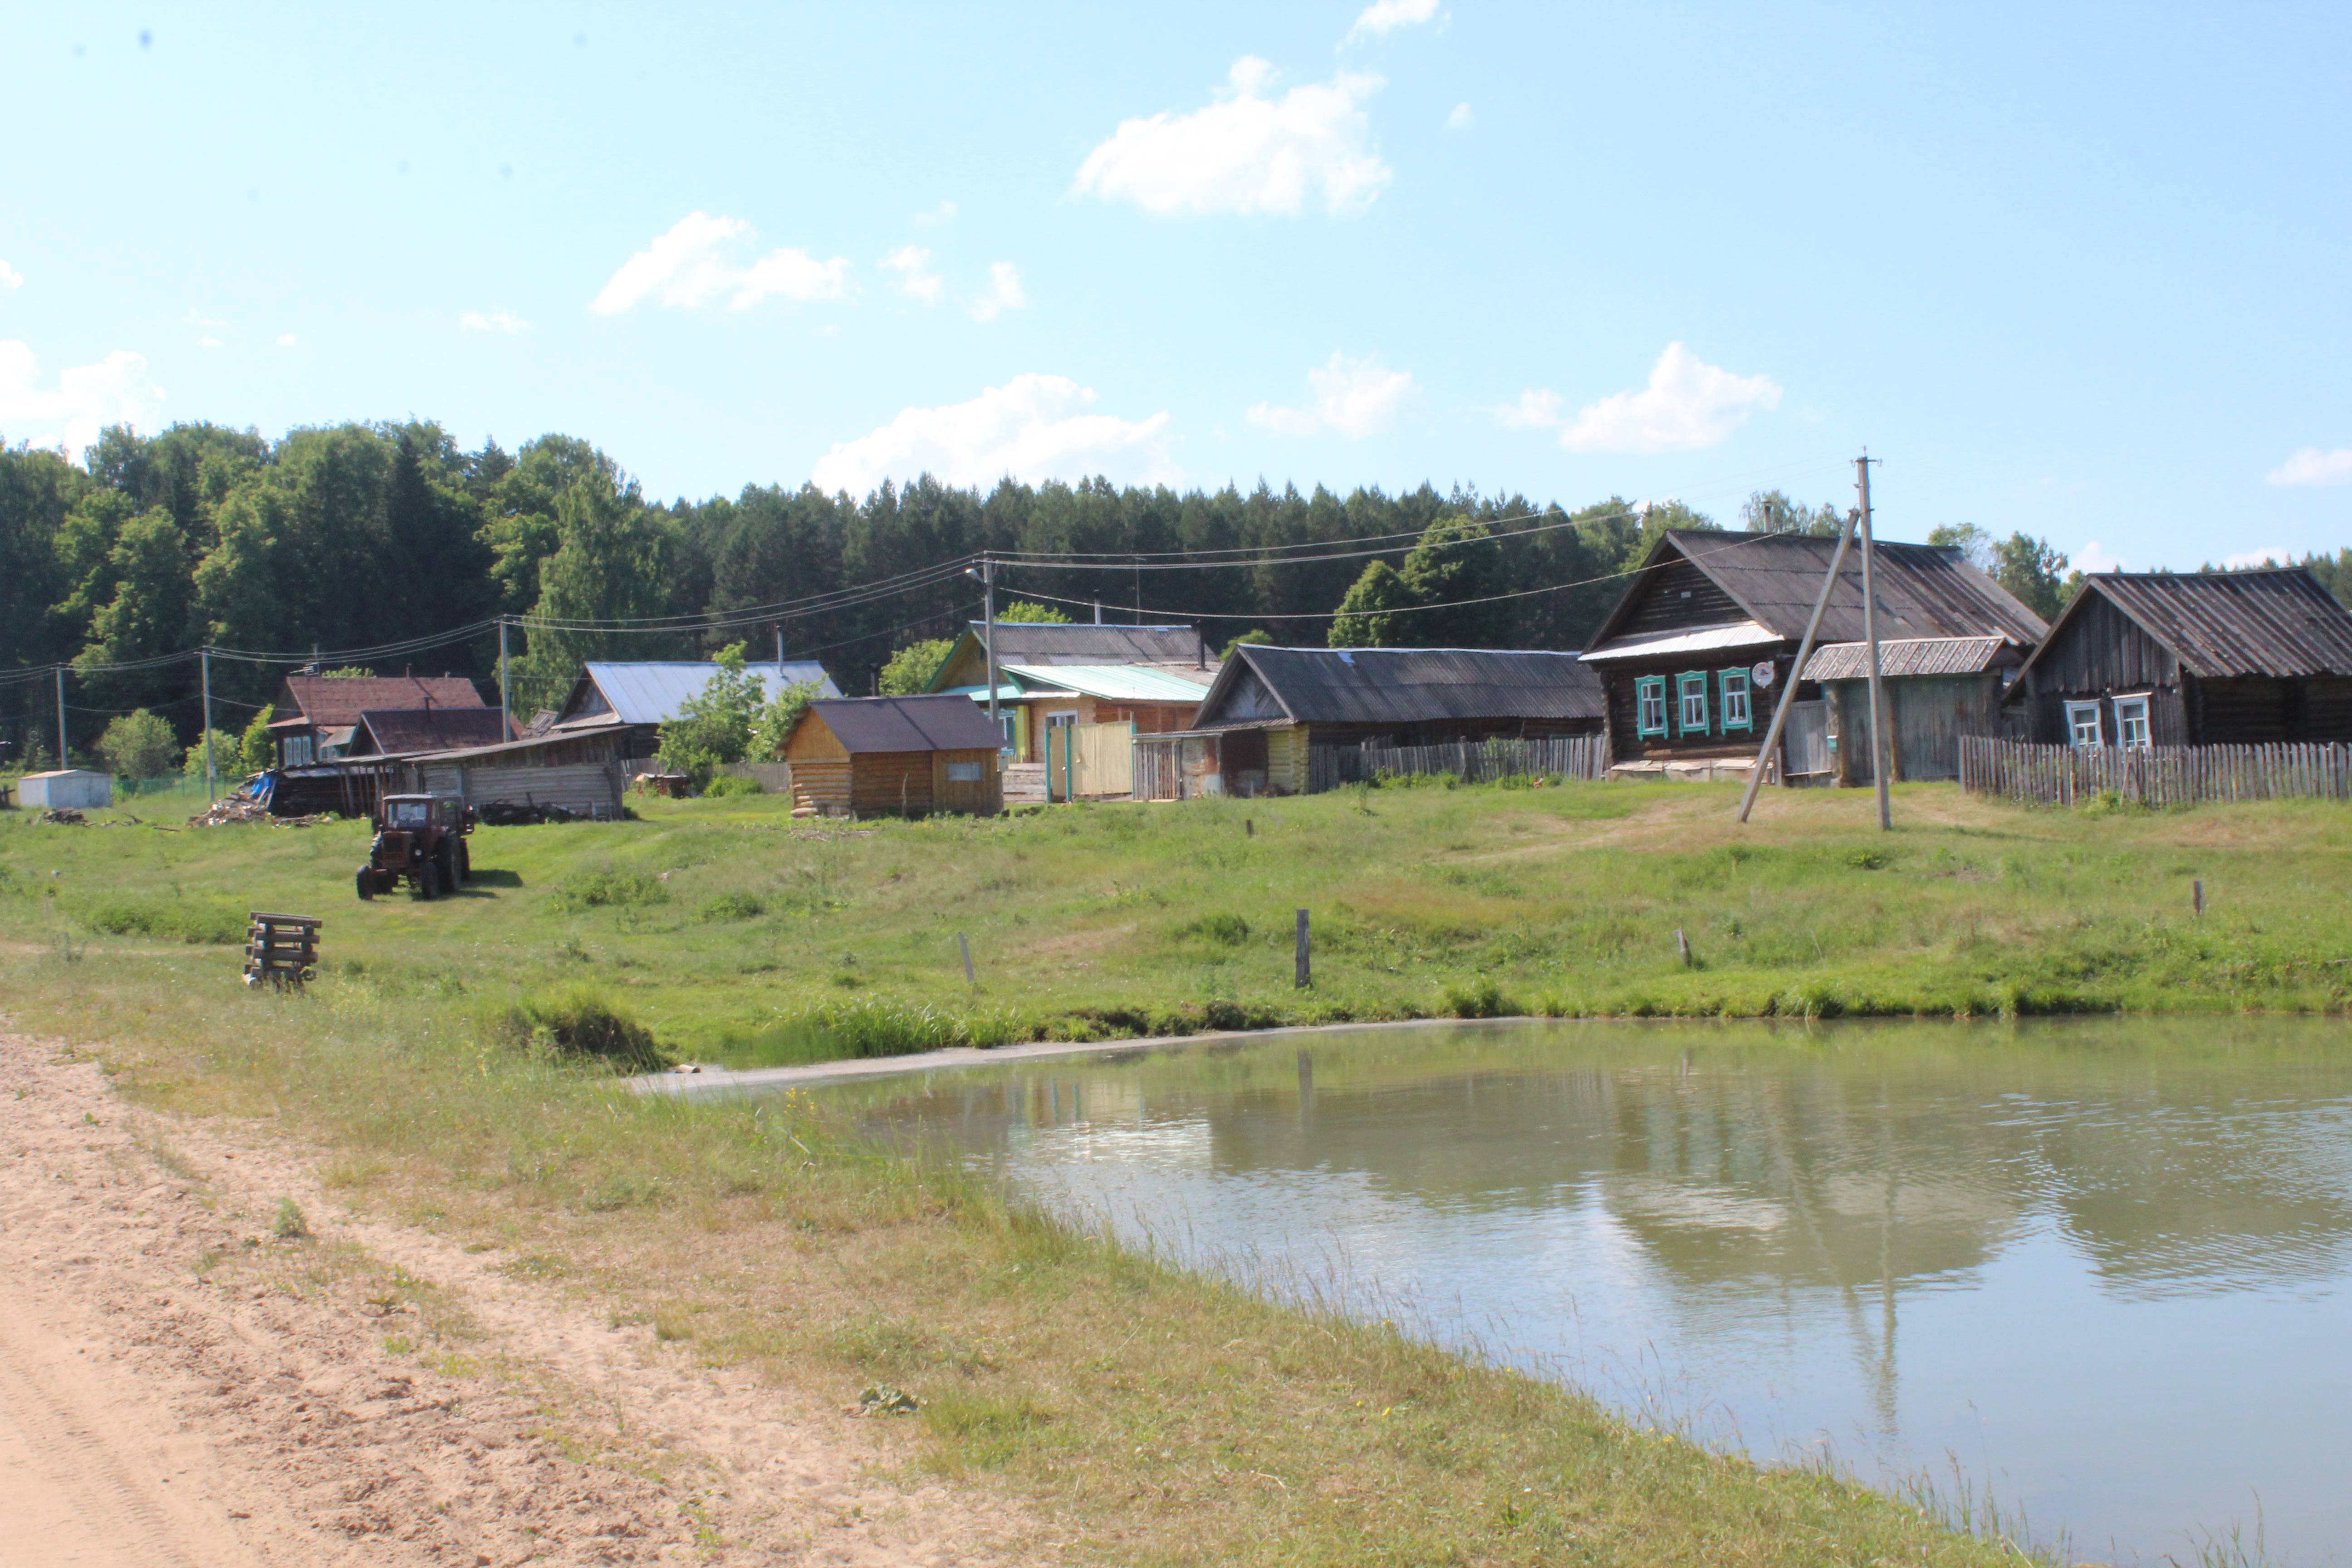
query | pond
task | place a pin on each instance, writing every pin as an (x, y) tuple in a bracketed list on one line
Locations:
[(2098, 1268)]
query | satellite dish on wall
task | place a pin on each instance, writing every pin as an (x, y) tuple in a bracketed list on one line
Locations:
[(1762, 673)]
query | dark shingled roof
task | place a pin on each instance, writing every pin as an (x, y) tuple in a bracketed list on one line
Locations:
[(1904, 656), (2280, 623), (432, 729), (941, 723), (1924, 590), (333, 701), (1029, 642), (1411, 685)]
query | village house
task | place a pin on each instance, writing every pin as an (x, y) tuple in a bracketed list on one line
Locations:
[(1271, 707), (317, 716), (2149, 659), (579, 774), (1698, 649), (636, 700), (1050, 675), (894, 756), (390, 731)]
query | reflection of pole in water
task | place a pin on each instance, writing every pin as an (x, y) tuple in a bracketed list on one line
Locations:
[(1305, 1091), (1885, 1379)]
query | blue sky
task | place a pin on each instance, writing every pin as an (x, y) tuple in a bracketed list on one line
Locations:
[(2080, 271)]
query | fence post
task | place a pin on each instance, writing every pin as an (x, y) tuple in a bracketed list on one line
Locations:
[(1300, 980), (964, 947)]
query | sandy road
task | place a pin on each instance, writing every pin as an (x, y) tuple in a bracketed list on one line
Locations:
[(171, 1395)]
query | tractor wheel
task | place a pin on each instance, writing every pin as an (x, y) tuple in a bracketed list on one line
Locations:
[(446, 863), (428, 880), (465, 862), (367, 882)]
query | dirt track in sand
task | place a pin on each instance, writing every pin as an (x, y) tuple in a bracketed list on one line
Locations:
[(178, 1388)]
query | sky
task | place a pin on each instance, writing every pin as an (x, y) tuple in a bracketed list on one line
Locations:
[(2076, 271)]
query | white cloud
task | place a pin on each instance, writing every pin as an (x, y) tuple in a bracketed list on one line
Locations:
[(1032, 427), (499, 320), (2094, 557), (286, 340), (10, 278), (1535, 410), (1460, 119), (2269, 555), (117, 390), (1004, 293), (1246, 152), (210, 342), (916, 281), (1383, 17), (2311, 466), (698, 262), (1688, 405), (1353, 398)]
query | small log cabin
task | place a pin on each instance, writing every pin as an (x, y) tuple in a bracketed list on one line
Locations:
[(1937, 690), (1270, 705), (2152, 659), (894, 756), (1701, 645)]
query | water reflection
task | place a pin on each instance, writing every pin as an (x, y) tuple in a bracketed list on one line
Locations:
[(2102, 1264)]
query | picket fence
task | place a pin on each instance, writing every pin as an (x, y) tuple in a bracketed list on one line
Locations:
[(1472, 761), (2158, 775)]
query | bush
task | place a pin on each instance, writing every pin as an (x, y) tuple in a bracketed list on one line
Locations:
[(139, 745), (1479, 999), (226, 755), (601, 887), (732, 783), (737, 906), (584, 1025)]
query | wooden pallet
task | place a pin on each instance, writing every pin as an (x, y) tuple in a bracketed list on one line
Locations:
[(281, 950)]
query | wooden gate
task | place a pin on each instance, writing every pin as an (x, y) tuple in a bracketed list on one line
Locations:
[(1089, 761), (1805, 740)]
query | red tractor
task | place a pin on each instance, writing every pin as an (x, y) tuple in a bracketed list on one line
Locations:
[(419, 838)]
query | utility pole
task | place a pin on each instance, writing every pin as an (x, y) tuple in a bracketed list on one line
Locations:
[(1880, 749), (987, 575), (506, 704), (205, 662), (1796, 670), (61, 715), (779, 656)]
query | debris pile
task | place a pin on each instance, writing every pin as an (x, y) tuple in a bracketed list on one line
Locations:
[(65, 815), (507, 813), (244, 808)]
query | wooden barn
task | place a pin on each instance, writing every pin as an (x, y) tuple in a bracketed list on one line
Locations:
[(1271, 707), (1937, 689), (1698, 649), (894, 756), (2149, 659)]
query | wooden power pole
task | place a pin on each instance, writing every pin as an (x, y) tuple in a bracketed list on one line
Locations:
[(1881, 749), (1796, 670)]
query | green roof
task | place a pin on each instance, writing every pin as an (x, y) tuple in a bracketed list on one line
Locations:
[(1111, 683)]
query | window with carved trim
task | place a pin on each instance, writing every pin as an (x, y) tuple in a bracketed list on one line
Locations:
[(1691, 690), (2132, 723), (1738, 708), (1649, 705), (2083, 727)]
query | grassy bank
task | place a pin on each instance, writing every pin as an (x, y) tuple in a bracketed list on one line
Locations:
[(736, 934)]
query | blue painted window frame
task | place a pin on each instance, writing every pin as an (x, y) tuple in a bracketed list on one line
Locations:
[(1690, 685), (1645, 688), (1728, 681)]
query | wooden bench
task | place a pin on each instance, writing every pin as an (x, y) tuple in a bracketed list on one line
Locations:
[(281, 950)]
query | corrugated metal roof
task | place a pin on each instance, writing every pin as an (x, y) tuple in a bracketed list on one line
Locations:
[(937, 722), (1032, 642), (331, 701), (1004, 693), (1406, 685), (652, 692), (1904, 656), (1924, 590), (1740, 634), (2278, 623), (1114, 682)]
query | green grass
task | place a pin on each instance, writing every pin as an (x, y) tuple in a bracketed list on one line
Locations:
[(736, 934), (1156, 1416)]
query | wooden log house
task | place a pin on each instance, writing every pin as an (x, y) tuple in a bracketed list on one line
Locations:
[(894, 756), (1698, 649), (2154, 658)]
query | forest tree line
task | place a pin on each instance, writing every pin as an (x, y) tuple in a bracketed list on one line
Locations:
[(359, 535)]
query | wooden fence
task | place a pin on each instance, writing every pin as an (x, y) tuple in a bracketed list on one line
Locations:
[(2158, 775), (1472, 761)]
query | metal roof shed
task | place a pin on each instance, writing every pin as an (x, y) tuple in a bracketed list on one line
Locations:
[(66, 789)]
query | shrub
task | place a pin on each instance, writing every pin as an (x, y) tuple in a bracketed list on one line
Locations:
[(735, 906), (1480, 999), (731, 783), (582, 1023), (172, 920), (603, 887), (289, 1224), (139, 745), (1230, 930)]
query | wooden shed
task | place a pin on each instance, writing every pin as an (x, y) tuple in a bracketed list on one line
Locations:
[(2152, 659), (1937, 689), (894, 756)]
